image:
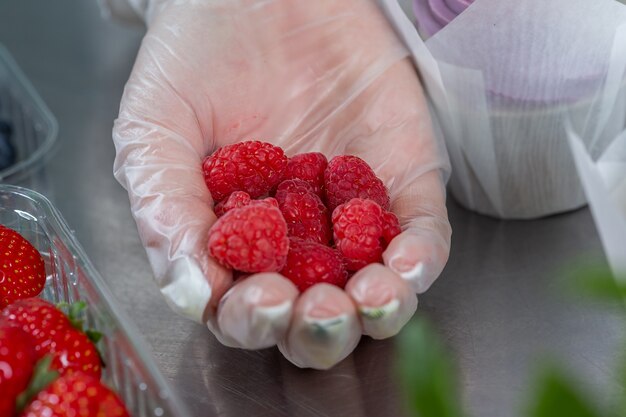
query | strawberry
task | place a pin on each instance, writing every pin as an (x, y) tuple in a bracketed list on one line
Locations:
[(17, 359), (74, 352), (77, 394), (56, 334), (37, 317), (22, 269)]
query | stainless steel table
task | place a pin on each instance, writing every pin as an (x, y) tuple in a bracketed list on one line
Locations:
[(497, 304)]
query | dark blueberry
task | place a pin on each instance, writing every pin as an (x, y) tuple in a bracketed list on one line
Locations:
[(7, 150)]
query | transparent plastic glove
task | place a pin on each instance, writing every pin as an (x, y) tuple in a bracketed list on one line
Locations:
[(323, 76)]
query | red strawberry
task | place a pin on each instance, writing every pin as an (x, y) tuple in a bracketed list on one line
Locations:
[(254, 167), (308, 167), (17, 360), (42, 320), (304, 212), (348, 177), (53, 333), (76, 395), (309, 263), (362, 231), (74, 352), (250, 239), (22, 269)]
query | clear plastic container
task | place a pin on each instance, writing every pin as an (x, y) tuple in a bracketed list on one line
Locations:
[(129, 369), (34, 127)]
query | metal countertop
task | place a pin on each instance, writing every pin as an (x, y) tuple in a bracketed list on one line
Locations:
[(497, 304)]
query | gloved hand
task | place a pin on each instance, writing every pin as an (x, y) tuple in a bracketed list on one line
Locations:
[(327, 76)]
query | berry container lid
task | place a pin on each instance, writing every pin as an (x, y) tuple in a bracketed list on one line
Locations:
[(70, 276), (34, 128)]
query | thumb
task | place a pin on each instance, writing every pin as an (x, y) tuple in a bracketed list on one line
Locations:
[(159, 146)]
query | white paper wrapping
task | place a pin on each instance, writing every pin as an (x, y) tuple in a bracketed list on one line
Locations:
[(503, 78), (604, 182)]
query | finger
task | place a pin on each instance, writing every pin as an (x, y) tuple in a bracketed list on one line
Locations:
[(405, 153), (255, 313), (324, 328), (385, 302), (160, 144), (421, 251)]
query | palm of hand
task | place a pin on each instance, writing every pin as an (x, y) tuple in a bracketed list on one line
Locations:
[(326, 76)]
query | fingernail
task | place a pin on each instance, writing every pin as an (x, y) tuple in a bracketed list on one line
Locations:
[(414, 274), (322, 329), (378, 313), (321, 343), (405, 268), (387, 320), (269, 324), (271, 313)]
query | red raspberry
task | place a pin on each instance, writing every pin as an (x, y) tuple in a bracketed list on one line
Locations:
[(309, 263), (250, 239), (269, 202), (299, 187), (254, 167), (362, 231), (304, 212), (237, 199), (308, 167), (349, 177)]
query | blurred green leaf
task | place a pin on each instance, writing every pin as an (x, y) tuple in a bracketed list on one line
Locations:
[(596, 281), (557, 396), (425, 372)]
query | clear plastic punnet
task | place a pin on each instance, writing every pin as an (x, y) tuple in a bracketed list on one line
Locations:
[(34, 128), (130, 369)]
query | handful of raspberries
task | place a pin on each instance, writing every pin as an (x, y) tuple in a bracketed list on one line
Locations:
[(308, 219)]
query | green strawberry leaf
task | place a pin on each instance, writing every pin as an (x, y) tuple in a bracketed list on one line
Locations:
[(557, 395), (41, 378), (425, 373), (93, 335), (75, 313)]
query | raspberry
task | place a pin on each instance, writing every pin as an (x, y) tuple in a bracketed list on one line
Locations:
[(362, 231), (304, 212), (254, 167), (308, 167), (309, 263), (296, 186), (237, 199), (250, 239), (240, 199), (348, 177), (269, 202)]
